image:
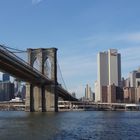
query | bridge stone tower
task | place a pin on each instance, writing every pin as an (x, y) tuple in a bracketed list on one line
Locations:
[(43, 97)]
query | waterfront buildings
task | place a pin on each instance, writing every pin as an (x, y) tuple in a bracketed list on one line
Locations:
[(109, 86), (6, 88), (129, 95), (108, 73), (111, 94), (6, 91), (132, 87), (137, 96), (105, 94), (9, 90)]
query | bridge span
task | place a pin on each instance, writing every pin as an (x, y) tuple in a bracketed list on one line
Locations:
[(42, 91)]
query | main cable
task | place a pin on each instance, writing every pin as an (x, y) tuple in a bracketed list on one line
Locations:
[(16, 50)]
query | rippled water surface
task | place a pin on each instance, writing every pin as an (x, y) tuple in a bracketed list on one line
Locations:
[(88, 125)]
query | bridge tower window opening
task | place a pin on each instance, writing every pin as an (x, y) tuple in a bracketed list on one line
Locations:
[(47, 68), (36, 64)]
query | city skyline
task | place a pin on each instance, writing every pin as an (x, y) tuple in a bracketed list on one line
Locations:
[(77, 31)]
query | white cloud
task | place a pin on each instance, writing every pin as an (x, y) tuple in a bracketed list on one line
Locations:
[(111, 39), (78, 65), (133, 37), (36, 1)]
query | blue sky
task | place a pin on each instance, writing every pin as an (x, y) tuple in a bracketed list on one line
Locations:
[(79, 29)]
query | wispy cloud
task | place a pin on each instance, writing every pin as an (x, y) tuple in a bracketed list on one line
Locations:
[(78, 66), (111, 39), (133, 37), (34, 2), (130, 59)]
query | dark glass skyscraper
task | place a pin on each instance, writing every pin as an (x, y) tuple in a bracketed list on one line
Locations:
[(5, 77)]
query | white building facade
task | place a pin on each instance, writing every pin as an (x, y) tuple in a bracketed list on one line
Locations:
[(108, 72), (88, 92)]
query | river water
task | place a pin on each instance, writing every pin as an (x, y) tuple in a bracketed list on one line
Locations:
[(86, 125)]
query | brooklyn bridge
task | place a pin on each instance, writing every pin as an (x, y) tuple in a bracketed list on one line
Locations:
[(40, 72)]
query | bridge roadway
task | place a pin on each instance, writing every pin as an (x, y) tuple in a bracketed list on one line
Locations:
[(17, 67)]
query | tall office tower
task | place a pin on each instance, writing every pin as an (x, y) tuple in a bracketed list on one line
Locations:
[(5, 77), (114, 64), (109, 71), (87, 92), (103, 68), (102, 74)]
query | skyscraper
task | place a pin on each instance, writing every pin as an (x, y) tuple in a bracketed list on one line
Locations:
[(6, 91), (114, 67), (102, 74), (109, 71), (87, 92), (103, 68)]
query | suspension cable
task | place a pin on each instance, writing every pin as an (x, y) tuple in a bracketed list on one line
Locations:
[(61, 75), (16, 50)]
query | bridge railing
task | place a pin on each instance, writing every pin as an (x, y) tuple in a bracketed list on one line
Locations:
[(3, 48)]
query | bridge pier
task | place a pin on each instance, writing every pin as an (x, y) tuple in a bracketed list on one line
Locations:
[(29, 98), (42, 98), (37, 99), (50, 98)]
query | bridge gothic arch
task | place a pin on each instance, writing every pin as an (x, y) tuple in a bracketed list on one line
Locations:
[(48, 68), (44, 55)]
